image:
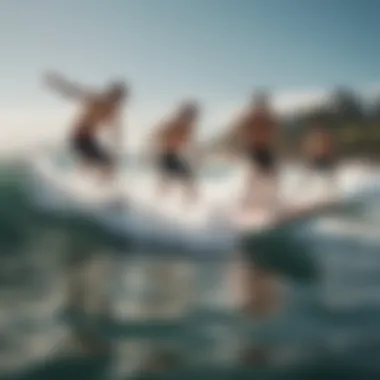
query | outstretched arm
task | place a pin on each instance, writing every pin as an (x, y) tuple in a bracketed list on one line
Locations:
[(65, 87)]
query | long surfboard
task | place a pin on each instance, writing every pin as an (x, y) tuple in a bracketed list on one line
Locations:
[(201, 228)]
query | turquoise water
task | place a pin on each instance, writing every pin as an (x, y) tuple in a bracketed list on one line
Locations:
[(326, 328)]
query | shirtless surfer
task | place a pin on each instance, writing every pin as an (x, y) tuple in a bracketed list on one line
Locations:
[(252, 139), (171, 142), (253, 136), (255, 132), (99, 111)]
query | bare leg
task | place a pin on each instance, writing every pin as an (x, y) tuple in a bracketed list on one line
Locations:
[(107, 173), (163, 186), (190, 191), (261, 185), (87, 168), (250, 184)]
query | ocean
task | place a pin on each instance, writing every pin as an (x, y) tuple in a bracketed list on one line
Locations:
[(326, 327)]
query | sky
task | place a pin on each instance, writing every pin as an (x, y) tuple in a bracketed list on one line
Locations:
[(215, 51)]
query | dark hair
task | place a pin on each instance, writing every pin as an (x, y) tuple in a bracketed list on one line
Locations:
[(189, 108), (261, 98), (118, 89)]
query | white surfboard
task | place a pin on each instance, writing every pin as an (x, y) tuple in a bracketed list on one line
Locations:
[(197, 227)]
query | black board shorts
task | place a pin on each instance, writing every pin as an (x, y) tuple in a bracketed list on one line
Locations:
[(174, 166), (263, 159), (87, 148)]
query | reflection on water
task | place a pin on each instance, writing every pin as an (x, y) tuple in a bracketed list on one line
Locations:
[(155, 314), (163, 314)]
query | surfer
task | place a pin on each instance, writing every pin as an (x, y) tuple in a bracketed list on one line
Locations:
[(252, 139), (254, 133), (99, 111), (254, 136), (171, 143)]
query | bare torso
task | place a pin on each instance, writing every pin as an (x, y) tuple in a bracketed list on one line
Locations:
[(96, 114), (258, 129), (175, 136)]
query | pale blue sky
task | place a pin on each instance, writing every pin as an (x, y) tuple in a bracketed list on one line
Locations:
[(215, 50)]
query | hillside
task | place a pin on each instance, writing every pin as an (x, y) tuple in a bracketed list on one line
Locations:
[(355, 124)]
